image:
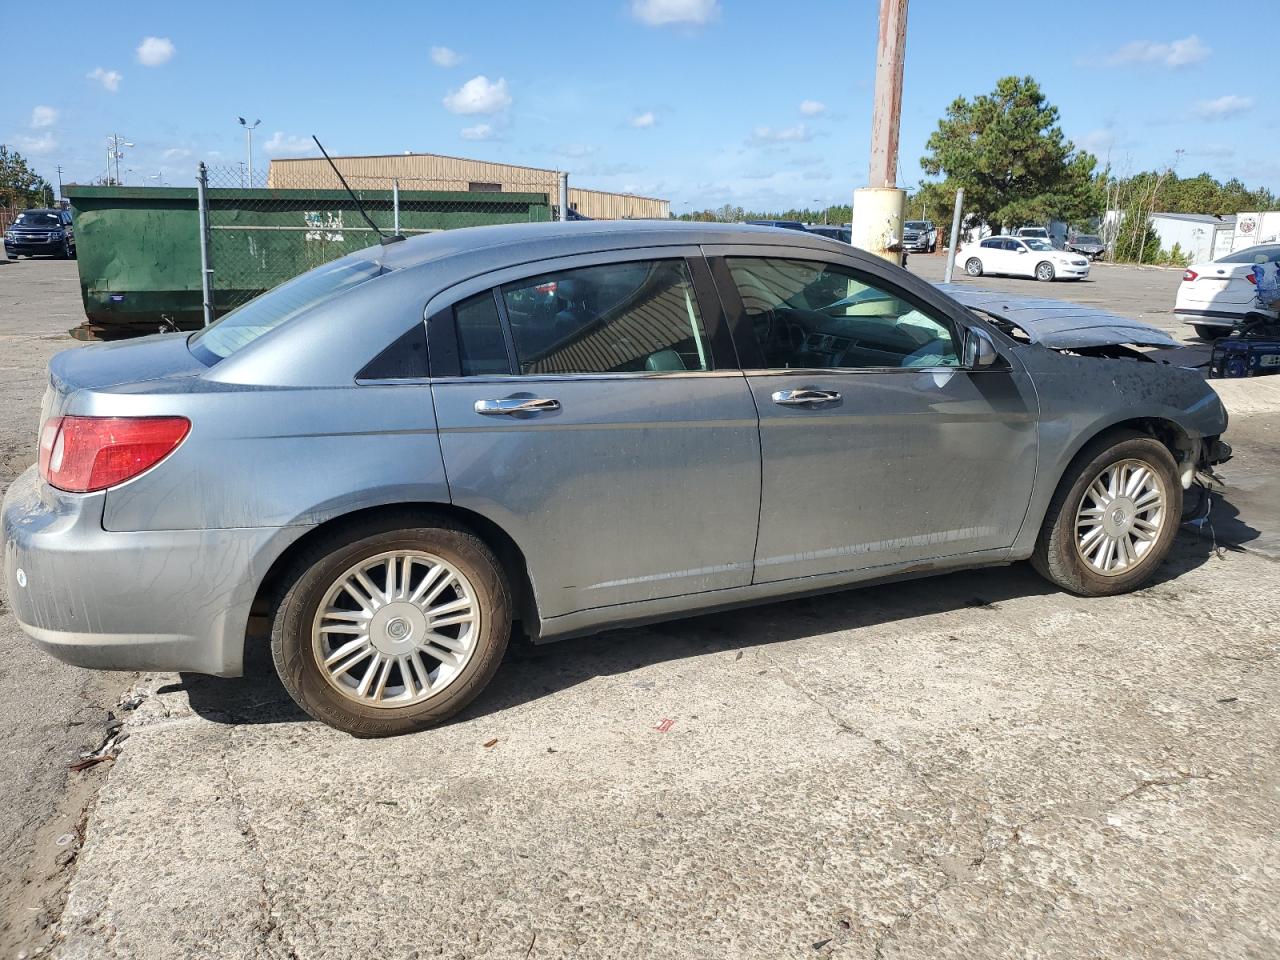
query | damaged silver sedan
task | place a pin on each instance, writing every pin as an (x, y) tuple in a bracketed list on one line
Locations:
[(400, 456)]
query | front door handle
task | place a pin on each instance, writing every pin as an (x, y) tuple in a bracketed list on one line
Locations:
[(803, 398), (515, 406)]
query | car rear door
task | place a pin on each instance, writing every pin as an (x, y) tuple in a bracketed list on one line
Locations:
[(879, 447), (591, 408), (994, 256)]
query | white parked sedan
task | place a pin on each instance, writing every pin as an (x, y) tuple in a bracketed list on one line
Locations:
[(1215, 296), (1022, 257)]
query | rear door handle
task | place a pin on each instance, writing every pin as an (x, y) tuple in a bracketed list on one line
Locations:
[(803, 398), (516, 405)]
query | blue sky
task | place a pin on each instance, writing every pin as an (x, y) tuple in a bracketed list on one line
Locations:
[(751, 102)]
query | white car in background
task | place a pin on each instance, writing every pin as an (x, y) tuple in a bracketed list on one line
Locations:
[(1215, 296), (1022, 257)]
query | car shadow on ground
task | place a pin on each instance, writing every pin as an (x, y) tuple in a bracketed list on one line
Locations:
[(530, 672)]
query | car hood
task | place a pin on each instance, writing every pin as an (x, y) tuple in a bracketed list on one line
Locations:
[(1057, 324)]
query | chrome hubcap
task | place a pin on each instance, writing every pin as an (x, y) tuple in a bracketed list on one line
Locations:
[(396, 629), (1120, 517)]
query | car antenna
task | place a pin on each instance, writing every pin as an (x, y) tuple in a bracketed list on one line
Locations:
[(359, 206)]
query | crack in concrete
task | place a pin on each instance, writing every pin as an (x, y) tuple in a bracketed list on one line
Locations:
[(270, 925)]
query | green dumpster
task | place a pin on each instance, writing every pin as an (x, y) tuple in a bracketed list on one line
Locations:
[(139, 247)]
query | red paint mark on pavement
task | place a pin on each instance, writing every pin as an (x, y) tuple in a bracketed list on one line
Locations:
[(665, 725)]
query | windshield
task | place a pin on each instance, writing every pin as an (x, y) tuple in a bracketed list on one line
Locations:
[(243, 325), (37, 218), (1035, 243), (1085, 238), (917, 225)]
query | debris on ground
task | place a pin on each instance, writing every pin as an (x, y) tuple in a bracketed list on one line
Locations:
[(132, 702), (491, 743), (665, 726), (108, 750)]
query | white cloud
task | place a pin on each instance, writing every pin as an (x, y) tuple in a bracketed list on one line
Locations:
[(1099, 141), (576, 150), (1222, 107), (481, 131), (287, 144), (811, 108), (660, 13), (175, 153), (796, 134), (110, 79), (1176, 53), (44, 117), (478, 95), (444, 57), (45, 143), (644, 120), (153, 51)]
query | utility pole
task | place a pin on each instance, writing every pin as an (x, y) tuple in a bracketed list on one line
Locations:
[(248, 137), (879, 207), (114, 154), (59, 182)]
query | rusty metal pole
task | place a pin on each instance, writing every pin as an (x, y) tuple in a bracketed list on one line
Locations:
[(879, 208)]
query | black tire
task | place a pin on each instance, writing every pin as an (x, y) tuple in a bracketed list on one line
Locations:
[(973, 267), (1210, 333), (317, 570), (1044, 271), (1057, 557)]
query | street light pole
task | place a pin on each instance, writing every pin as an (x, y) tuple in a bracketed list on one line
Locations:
[(248, 137), (879, 207)]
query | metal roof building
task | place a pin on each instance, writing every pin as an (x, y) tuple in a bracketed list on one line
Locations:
[(433, 171)]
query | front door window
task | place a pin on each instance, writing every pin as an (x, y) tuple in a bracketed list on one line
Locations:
[(807, 314)]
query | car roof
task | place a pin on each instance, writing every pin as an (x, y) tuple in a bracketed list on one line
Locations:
[(40, 210), (481, 249)]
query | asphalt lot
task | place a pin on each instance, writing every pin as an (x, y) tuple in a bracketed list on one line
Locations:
[(966, 766)]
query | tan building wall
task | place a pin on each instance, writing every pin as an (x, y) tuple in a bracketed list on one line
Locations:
[(600, 205), (430, 171)]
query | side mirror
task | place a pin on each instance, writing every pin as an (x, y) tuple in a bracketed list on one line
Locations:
[(979, 351), (1022, 249)]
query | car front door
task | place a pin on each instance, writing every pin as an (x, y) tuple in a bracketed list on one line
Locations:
[(879, 447), (592, 409), (1020, 261)]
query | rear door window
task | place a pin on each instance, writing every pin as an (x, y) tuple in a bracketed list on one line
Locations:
[(634, 317)]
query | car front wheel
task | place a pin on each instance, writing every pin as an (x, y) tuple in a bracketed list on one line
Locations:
[(973, 267), (1206, 332), (1113, 518), (1044, 271), (392, 630)]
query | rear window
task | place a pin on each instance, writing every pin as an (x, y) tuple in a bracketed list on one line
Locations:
[(1267, 253), (247, 323)]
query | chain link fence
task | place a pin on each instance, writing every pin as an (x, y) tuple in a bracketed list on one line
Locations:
[(258, 237)]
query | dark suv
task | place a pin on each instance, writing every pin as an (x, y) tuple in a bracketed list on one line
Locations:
[(46, 232)]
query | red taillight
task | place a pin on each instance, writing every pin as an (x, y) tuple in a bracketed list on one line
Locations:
[(1252, 277), (1189, 275), (83, 454)]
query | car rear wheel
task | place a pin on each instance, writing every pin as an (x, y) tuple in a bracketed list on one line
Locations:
[(973, 267), (1113, 518), (1206, 332), (1044, 271), (392, 630)]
